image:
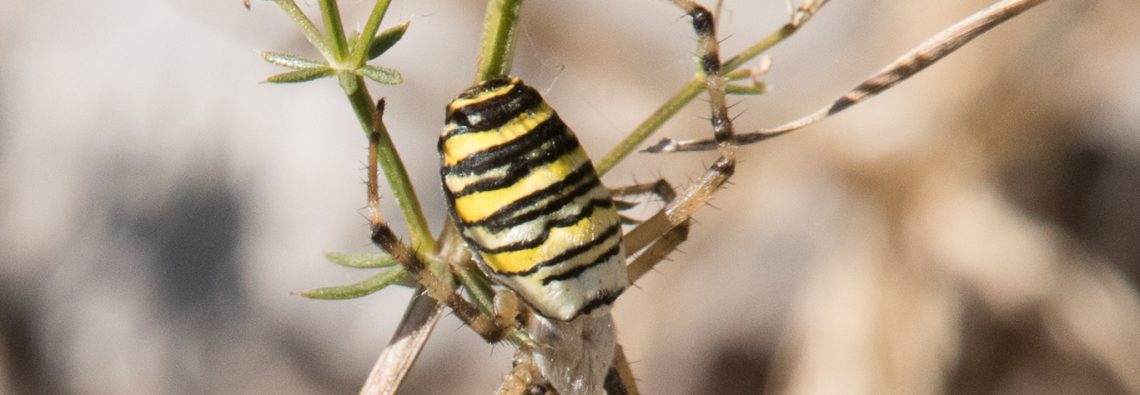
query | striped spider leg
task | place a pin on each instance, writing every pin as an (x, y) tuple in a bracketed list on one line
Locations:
[(914, 61), (657, 229), (492, 329), (653, 239), (665, 230)]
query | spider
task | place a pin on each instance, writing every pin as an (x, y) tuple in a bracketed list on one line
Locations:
[(529, 204)]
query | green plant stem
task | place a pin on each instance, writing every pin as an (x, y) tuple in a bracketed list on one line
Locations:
[(365, 109), (497, 46), (360, 52), (686, 94), (366, 114), (760, 47), (331, 14), (393, 168), (307, 27)]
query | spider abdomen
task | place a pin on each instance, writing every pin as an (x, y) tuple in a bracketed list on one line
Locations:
[(528, 201)]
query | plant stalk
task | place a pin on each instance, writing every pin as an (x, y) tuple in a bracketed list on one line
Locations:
[(331, 14), (497, 46), (393, 168)]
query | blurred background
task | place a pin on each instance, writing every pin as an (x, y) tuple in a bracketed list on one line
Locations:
[(974, 230)]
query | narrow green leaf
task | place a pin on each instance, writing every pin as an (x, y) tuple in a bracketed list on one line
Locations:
[(352, 37), (734, 89), (307, 27), (386, 40), (382, 75), (290, 61), (301, 75), (362, 261), (393, 275), (738, 75)]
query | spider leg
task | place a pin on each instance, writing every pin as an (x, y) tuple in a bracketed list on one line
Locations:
[(653, 239), (660, 188), (916, 60), (664, 231), (492, 329), (661, 233), (696, 195)]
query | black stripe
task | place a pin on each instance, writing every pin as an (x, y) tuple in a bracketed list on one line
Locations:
[(604, 298), (575, 272), (486, 86), (498, 224), (710, 63), (546, 154), (499, 155), (570, 253), (548, 226), (703, 21), (493, 112), (495, 220), (510, 215)]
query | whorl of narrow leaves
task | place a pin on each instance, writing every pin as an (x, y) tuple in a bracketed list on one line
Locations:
[(309, 69)]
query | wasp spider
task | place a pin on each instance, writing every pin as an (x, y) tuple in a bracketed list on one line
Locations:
[(529, 204)]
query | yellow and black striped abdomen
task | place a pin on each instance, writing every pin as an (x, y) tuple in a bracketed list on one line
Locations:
[(528, 201)]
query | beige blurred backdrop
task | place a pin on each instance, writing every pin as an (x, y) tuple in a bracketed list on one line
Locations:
[(974, 230)]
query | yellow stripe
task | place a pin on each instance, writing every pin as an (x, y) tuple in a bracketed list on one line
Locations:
[(502, 90), (456, 182), (480, 205), (560, 240), (457, 147)]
